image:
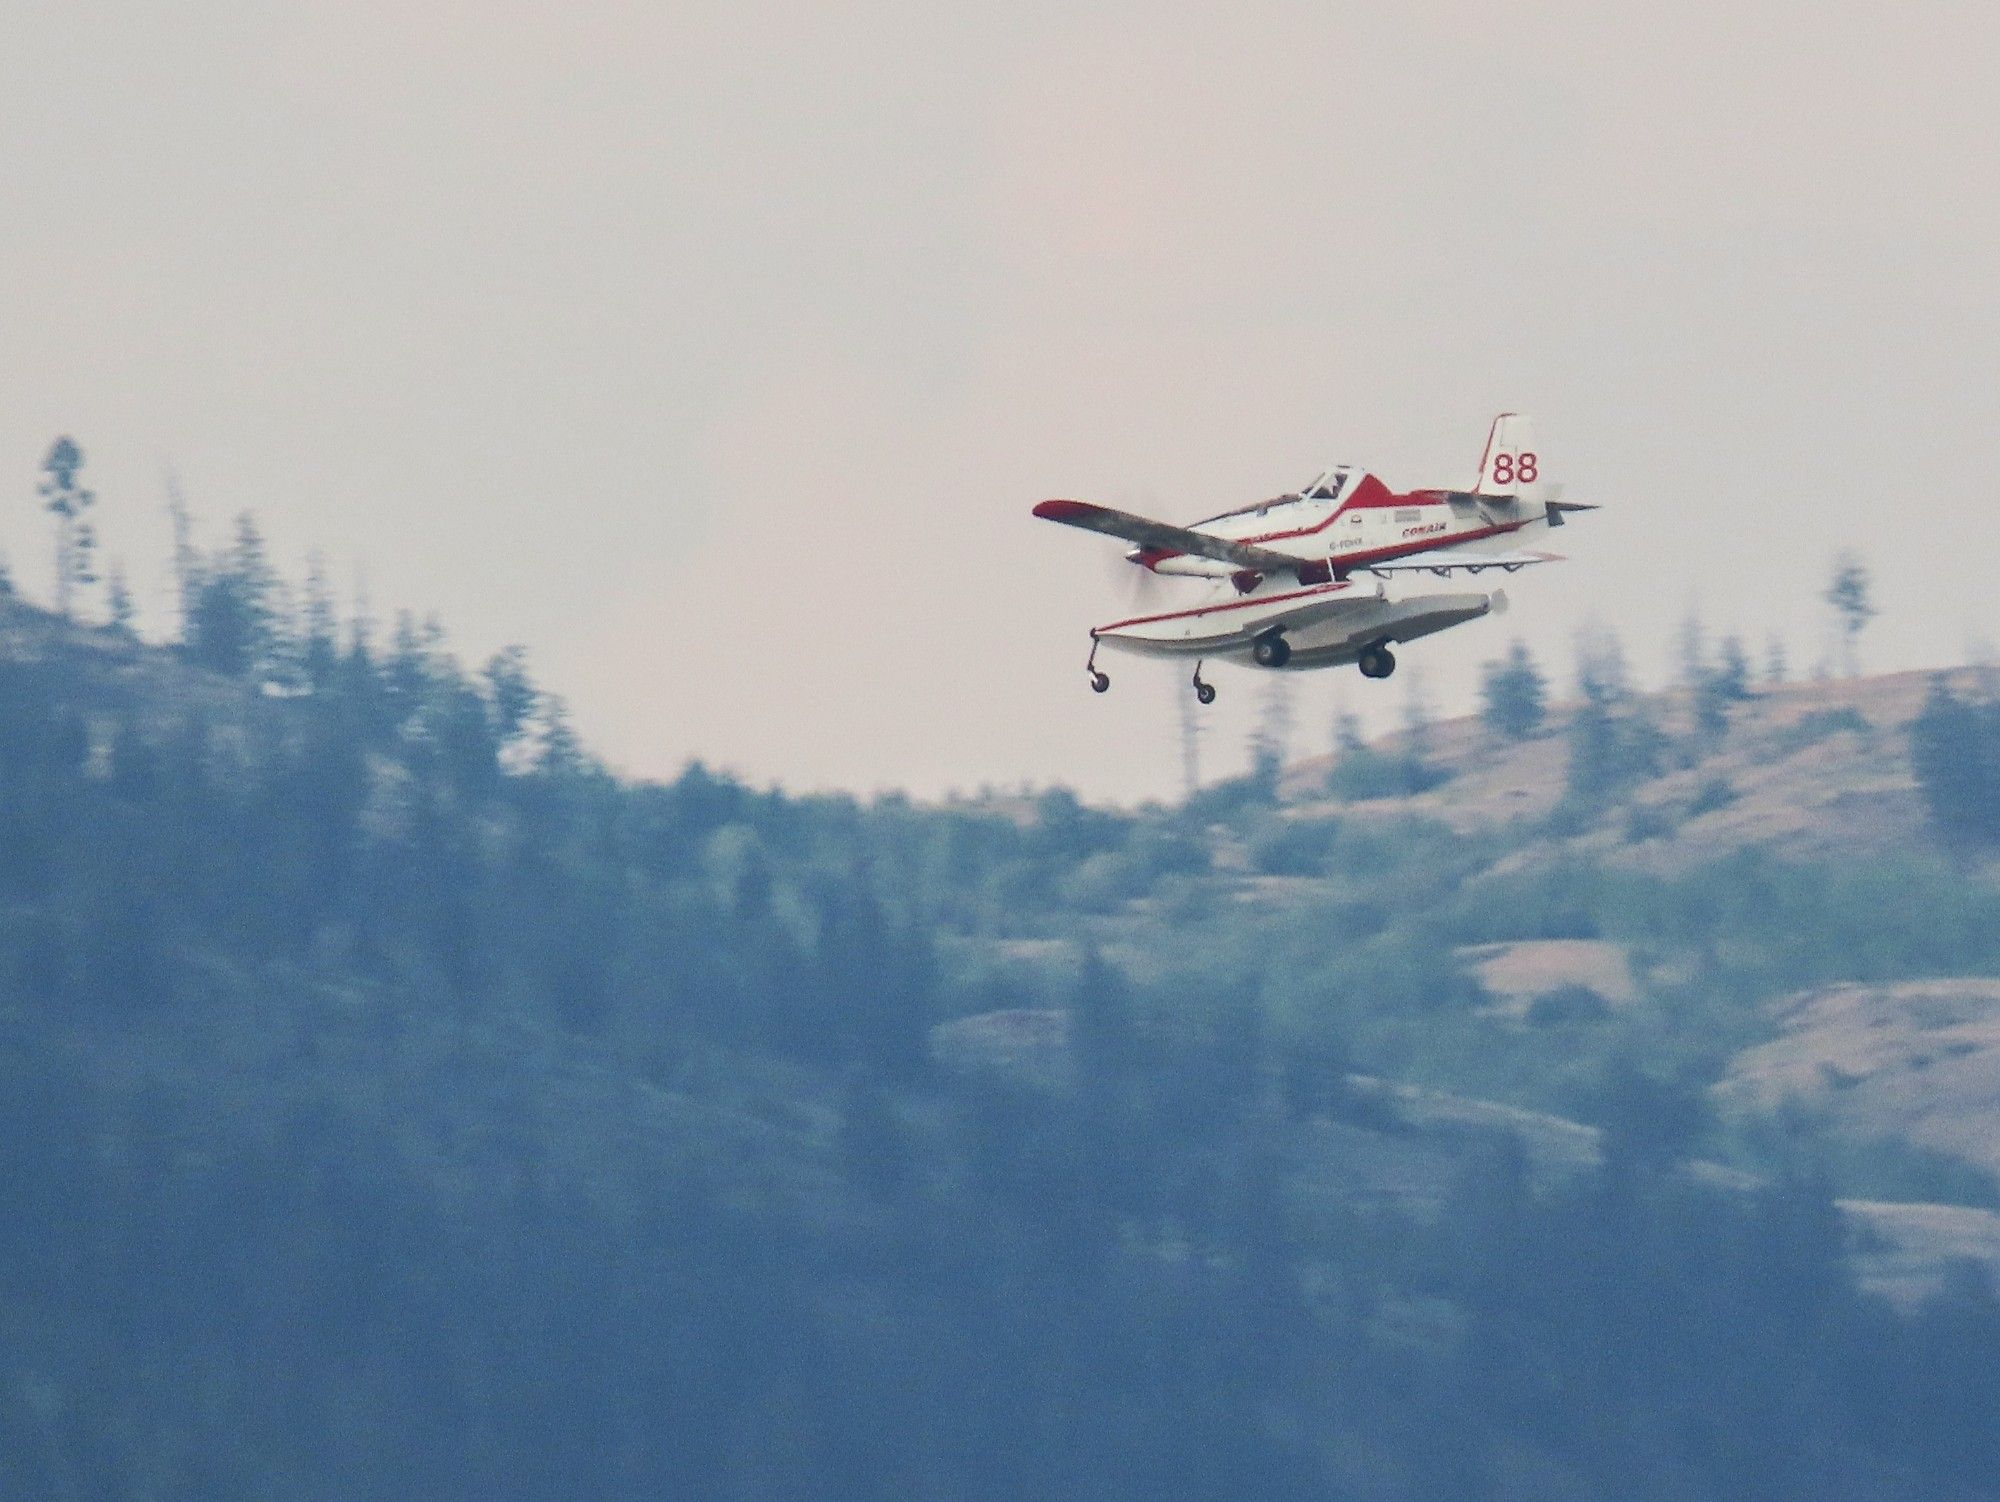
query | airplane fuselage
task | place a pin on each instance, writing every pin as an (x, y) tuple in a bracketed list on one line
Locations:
[(1337, 529), (1354, 520)]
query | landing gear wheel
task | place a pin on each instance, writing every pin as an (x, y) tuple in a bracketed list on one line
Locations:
[(1376, 662), (1203, 691), (1099, 681), (1271, 651)]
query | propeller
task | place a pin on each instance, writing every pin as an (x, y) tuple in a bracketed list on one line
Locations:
[(1137, 586)]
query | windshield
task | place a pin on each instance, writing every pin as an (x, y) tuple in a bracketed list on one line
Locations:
[(1326, 487)]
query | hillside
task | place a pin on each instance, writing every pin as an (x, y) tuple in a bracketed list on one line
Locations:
[(472, 1122), (1817, 770), (1917, 1060), (1811, 777), (1899, 1080)]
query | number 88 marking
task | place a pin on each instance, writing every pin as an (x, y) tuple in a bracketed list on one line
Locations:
[(1507, 469)]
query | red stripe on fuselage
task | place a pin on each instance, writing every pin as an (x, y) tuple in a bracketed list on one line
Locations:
[(1246, 604), (1370, 494), (1437, 542)]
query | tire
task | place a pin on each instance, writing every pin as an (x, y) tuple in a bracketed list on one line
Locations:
[(1099, 682), (1271, 652), (1376, 662), (1205, 692)]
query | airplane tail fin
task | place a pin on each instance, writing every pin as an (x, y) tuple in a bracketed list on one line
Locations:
[(1511, 465)]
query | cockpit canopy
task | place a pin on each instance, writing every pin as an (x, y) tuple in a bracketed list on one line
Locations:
[(1327, 487), (1324, 490)]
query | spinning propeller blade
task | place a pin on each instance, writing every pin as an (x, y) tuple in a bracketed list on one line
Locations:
[(1134, 583)]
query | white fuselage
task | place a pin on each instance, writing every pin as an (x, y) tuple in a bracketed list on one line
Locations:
[(1337, 528)]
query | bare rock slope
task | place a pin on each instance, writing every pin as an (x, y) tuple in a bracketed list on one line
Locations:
[(1916, 1060)]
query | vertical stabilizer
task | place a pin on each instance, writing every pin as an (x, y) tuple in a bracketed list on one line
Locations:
[(1512, 465)]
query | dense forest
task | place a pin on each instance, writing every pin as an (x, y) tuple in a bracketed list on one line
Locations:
[(395, 1103)]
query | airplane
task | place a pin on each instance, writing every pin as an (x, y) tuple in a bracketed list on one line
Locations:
[(1280, 575)]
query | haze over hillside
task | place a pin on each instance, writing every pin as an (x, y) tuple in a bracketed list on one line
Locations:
[(1503, 1112)]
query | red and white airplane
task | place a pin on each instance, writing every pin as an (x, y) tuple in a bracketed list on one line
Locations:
[(1280, 575)]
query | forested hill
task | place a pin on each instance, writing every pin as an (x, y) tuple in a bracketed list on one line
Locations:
[(393, 1103)]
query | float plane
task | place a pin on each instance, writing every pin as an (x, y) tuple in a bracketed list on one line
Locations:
[(1299, 581)]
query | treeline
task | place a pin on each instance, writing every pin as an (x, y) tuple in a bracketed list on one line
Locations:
[(393, 1103), (374, 827)]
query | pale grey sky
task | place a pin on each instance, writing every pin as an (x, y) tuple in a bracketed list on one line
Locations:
[(717, 352)]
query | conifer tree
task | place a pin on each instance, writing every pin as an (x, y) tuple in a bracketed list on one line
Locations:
[(1719, 684), (561, 752), (1851, 595), (1731, 675), (319, 649), (187, 561), (240, 617), (118, 601), (1513, 693), (1612, 741), (511, 693), (1271, 740), (1777, 666), (407, 674), (256, 583), (1691, 650), (69, 501), (1955, 755)]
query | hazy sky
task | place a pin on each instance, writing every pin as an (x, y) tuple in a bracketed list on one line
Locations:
[(717, 352)]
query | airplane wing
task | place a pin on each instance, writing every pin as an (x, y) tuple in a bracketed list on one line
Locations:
[(1151, 534), (1441, 560)]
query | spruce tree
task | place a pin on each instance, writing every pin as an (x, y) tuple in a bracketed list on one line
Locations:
[(1955, 755), (510, 693), (1513, 694), (69, 501), (319, 651), (1852, 597), (1777, 664), (118, 601)]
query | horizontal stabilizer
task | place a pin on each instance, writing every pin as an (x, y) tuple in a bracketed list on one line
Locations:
[(1164, 536)]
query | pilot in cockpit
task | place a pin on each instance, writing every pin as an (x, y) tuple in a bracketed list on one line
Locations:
[(1326, 487)]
